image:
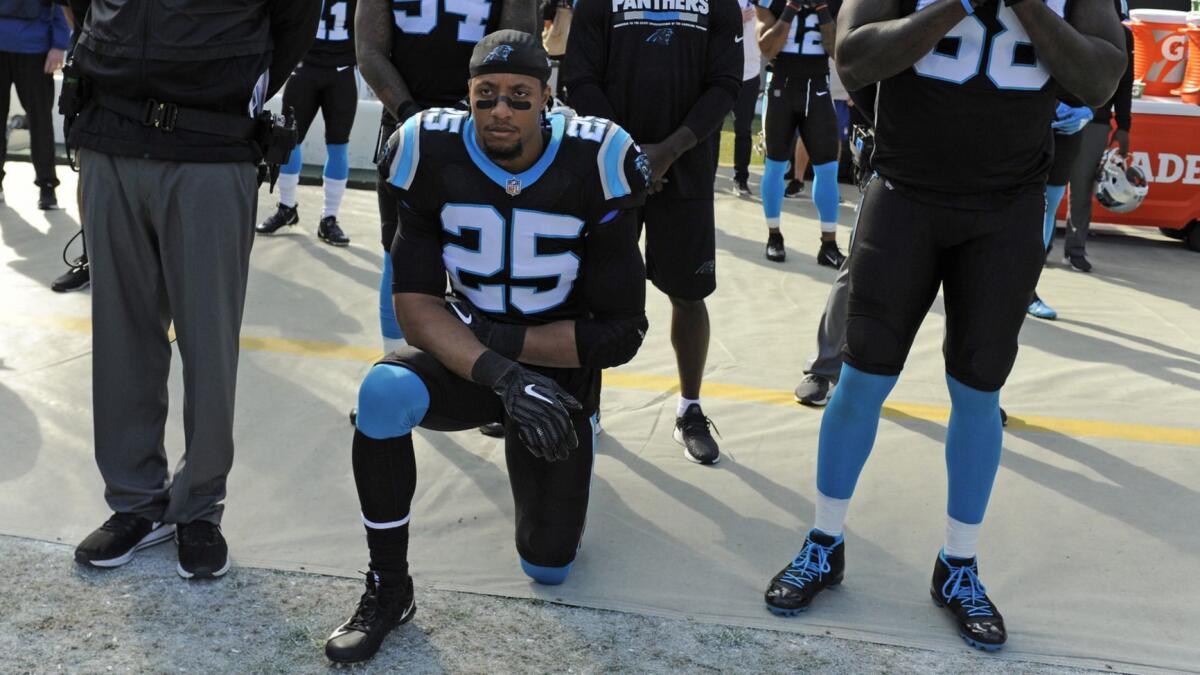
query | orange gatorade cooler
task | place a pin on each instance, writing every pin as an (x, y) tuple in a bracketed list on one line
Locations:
[(1190, 91), (1160, 49)]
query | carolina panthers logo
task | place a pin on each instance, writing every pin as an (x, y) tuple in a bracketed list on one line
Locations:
[(500, 53), (642, 163), (662, 36)]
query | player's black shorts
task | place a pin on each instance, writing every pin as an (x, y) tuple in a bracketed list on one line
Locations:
[(987, 263), (551, 498), (801, 103), (332, 90), (681, 246), (1066, 149)]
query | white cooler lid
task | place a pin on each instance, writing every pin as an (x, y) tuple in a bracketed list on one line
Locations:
[(1159, 15)]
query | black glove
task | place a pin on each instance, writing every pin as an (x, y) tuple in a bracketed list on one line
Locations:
[(536, 405), (505, 339)]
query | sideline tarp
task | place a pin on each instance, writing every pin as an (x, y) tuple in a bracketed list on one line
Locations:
[(1090, 549)]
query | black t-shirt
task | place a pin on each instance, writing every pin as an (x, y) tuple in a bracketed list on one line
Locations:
[(432, 43), (657, 64), (804, 51), (973, 116), (546, 245), (334, 45)]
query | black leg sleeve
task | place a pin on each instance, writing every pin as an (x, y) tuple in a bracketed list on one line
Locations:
[(385, 473)]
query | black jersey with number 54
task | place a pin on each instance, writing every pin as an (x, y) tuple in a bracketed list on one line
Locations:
[(971, 117), (432, 42)]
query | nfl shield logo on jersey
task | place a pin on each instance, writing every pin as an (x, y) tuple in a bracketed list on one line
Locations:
[(514, 187)]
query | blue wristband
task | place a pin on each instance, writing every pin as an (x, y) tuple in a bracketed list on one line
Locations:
[(967, 6)]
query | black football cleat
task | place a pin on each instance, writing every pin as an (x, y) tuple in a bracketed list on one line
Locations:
[(775, 249), (283, 216), (387, 603), (1003, 418), (794, 189), (492, 429), (331, 233), (691, 431), (957, 588), (741, 188), (1078, 262), (819, 565), (114, 543), (830, 255), (47, 200), (203, 553)]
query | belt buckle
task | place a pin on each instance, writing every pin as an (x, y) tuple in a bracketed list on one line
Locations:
[(161, 116)]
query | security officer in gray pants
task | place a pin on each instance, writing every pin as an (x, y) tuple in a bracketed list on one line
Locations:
[(168, 148)]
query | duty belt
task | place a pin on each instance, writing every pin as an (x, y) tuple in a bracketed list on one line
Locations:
[(167, 117)]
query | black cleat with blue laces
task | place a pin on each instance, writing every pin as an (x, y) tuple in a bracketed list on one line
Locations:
[(956, 586), (818, 566)]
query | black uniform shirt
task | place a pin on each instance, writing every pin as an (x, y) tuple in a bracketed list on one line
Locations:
[(334, 45), (432, 43), (804, 51)]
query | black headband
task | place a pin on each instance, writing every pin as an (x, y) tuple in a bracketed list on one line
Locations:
[(511, 52)]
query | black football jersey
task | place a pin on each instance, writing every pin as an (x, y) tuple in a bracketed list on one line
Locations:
[(334, 44), (804, 51), (512, 244), (432, 44), (971, 117)]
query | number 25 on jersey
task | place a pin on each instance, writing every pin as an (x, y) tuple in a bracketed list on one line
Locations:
[(1003, 68)]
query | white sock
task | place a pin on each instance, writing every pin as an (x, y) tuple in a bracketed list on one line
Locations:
[(772, 223), (287, 183), (828, 227), (831, 514), (961, 539), (684, 403), (392, 344), (334, 190)]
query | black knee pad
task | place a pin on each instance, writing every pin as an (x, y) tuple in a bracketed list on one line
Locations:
[(981, 366)]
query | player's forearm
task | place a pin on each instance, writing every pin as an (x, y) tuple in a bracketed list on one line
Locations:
[(551, 345), (1087, 60), (772, 37), (373, 45), (429, 327), (872, 44), (519, 15)]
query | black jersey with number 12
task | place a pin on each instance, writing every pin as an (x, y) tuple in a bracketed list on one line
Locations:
[(971, 117), (804, 51)]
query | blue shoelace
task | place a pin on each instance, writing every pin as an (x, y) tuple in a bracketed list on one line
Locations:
[(964, 585), (811, 563)]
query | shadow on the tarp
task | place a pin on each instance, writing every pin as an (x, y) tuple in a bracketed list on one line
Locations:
[(16, 459), (39, 256)]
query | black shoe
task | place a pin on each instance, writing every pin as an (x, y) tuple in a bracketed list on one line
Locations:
[(1078, 262), (794, 189), (76, 278), (331, 233), (775, 250), (47, 201), (956, 586), (741, 188), (382, 607), (354, 417), (814, 390), (830, 255), (1003, 418), (284, 215), (203, 553), (818, 566), (114, 543), (691, 431), (493, 430)]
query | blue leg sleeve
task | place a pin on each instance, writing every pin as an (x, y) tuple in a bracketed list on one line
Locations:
[(295, 161), (848, 430), (337, 161), (825, 191), (548, 576), (387, 312), (973, 444), (772, 187), (392, 400), (1054, 197)]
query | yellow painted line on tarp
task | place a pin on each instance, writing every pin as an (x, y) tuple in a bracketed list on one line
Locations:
[(1066, 426)]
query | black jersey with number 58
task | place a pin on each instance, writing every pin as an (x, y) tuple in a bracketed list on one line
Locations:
[(973, 115)]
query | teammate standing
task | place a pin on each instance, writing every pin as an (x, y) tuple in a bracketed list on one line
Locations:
[(414, 56), (323, 81), (668, 72), (536, 226), (798, 35), (966, 97)]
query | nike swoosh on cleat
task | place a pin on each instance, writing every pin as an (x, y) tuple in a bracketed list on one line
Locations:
[(465, 319), (530, 391)]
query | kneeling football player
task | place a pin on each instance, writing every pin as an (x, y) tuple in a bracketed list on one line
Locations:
[(532, 218)]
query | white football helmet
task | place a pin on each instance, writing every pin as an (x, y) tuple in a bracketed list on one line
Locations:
[(1120, 188)]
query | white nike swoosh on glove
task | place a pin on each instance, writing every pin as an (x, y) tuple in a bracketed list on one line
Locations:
[(465, 319), (529, 390)]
